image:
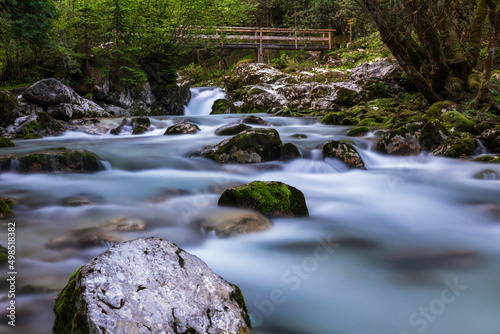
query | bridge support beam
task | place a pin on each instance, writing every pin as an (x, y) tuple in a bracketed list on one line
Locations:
[(259, 55)]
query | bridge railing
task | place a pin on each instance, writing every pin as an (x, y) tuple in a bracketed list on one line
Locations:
[(269, 38)]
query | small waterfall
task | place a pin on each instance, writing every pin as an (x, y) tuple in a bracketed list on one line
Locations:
[(15, 165), (202, 100), (105, 165), (480, 149)]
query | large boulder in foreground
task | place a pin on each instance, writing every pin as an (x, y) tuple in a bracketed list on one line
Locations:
[(272, 199), (70, 161), (345, 152), (149, 286), (250, 146)]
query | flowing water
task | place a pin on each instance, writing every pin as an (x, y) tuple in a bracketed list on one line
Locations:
[(411, 245)]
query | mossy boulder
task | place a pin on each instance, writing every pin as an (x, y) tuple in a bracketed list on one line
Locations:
[(289, 151), (488, 158), (272, 199), (495, 145), (333, 118), (250, 146), (474, 81), (456, 146), (343, 151), (455, 120), (399, 142), (69, 161), (6, 142), (4, 255), (5, 204), (38, 126), (148, 285), (231, 129), (432, 135), (182, 128), (358, 132), (222, 106), (8, 103), (487, 174), (439, 108)]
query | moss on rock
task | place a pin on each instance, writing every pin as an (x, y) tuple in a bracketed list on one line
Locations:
[(4, 256), (456, 146), (399, 142), (273, 199), (222, 106), (488, 158), (432, 135), (43, 125), (345, 152), (5, 204), (6, 142), (454, 119), (8, 102), (359, 131), (67, 320), (439, 108)]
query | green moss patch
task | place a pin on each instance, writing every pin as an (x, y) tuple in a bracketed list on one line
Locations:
[(5, 204), (6, 142), (359, 131), (272, 199)]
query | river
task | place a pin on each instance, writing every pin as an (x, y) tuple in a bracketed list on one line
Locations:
[(411, 245)]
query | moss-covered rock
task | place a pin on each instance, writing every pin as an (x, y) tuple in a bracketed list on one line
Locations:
[(495, 145), (474, 81), (333, 118), (39, 126), (70, 161), (487, 174), (172, 98), (455, 120), (488, 135), (6, 142), (432, 135), (5, 204), (439, 108), (289, 151), (252, 119), (250, 146), (456, 146), (231, 129), (272, 199), (182, 129), (345, 152), (222, 106), (399, 142), (4, 256), (8, 102), (358, 132), (488, 158)]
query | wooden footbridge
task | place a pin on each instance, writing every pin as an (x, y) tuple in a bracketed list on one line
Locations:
[(260, 39)]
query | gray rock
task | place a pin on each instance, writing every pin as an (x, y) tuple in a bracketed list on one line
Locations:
[(182, 129), (343, 151), (61, 111), (149, 286), (250, 146), (489, 135), (252, 119), (381, 70), (399, 142), (48, 92), (172, 98), (231, 129)]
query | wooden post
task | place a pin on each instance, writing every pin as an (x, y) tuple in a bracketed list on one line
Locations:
[(350, 31), (323, 36), (329, 40), (295, 39), (261, 50)]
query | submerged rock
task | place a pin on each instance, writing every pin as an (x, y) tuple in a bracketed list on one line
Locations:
[(123, 224), (252, 119), (399, 142), (343, 151), (77, 201), (182, 129), (250, 146), (84, 238), (231, 129), (272, 199), (70, 161), (235, 222), (149, 286)]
